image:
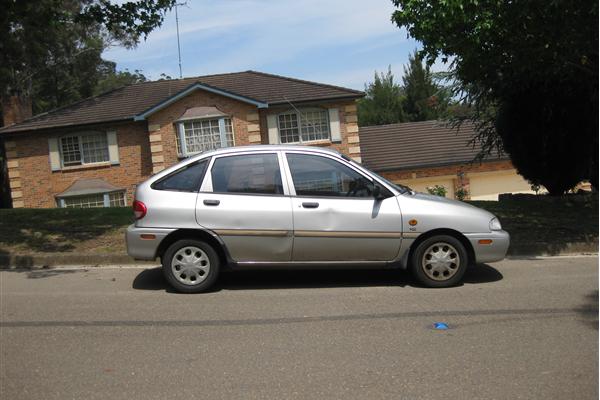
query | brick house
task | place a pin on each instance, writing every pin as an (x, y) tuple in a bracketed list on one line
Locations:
[(93, 153), (425, 154)]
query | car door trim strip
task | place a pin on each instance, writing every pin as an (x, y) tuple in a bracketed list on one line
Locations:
[(346, 234), (322, 234), (252, 232)]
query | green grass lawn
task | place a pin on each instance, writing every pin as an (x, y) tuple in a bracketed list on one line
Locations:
[(96, 230), (548, 225)]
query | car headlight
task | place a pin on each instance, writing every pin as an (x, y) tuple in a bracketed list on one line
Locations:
[(495, 224)]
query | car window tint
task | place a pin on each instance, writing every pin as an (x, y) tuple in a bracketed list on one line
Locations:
[(187, 179), (322, 176), (252, 173)]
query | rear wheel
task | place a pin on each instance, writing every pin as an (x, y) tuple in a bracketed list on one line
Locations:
[(191, 266), (439, 261)]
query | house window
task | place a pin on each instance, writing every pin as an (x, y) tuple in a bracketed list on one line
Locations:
[(84, 149), (115, 199), (203, 135), (305, 125)]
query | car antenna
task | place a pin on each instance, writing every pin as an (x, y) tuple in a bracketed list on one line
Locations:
[(294, 107)]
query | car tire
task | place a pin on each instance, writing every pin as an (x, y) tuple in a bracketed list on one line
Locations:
[(191, 266), (439, 261)]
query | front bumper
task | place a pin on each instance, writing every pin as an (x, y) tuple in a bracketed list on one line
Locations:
[(144, 247), (494, 251)]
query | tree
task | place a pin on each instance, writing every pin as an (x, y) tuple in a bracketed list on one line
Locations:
[(382, 103), (110, 78), (529, 74), (424, 99), (64, 50)]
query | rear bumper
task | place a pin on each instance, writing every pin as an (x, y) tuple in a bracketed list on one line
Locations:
[(494, 251), (144, 248)]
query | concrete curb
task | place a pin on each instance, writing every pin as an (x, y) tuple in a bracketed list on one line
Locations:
[(47, 260)]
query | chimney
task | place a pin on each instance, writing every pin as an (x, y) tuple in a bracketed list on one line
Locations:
[(15, 109)]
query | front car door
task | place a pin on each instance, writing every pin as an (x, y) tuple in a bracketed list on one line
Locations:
[(242, 200), (336, 217)]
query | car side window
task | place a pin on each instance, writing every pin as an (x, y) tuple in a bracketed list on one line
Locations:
[(251, 173), (321, 176), (186, 179)]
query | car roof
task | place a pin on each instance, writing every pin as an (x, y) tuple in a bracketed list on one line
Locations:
[(267, 147)]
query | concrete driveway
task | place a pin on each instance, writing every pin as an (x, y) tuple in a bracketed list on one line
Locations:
[(519, 329)]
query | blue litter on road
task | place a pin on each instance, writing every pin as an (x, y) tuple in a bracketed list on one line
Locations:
[(440, 326)]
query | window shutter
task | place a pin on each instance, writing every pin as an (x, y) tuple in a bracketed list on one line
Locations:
[(272, 128), (54, 154), (113, 147), (334, 125)]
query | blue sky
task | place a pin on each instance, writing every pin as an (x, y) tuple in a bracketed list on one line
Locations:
[(341, 42)]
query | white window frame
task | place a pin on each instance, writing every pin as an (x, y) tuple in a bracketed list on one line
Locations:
[(81, 154), (182, 150), (299, 118), (105, 199)]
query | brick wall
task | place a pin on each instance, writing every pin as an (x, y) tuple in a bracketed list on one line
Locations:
[(34, 185)]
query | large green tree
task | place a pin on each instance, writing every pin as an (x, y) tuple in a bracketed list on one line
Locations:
[(424, 98), (528, 71), (383, 101), (51, 49), (109, 78)]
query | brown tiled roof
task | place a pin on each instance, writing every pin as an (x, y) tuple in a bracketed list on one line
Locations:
[(128, 101), (417, 144)]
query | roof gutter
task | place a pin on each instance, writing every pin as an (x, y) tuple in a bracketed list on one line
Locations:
[(193, 88)]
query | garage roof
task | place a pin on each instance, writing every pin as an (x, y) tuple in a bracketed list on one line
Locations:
[(418, 144)]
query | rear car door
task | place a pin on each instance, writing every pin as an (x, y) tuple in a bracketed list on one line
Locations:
[(242, 200), (336, 217)]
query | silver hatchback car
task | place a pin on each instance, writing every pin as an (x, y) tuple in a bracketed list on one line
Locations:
[(292, 206)]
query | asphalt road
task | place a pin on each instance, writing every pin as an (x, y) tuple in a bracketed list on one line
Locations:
[(519, 329)]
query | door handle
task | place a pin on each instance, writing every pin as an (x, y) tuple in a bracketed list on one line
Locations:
[(310, 204), (211, 202)]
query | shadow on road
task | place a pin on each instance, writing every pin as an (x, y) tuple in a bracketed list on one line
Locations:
[(152, 279), (588, 312), (482, 273), (44, 272)]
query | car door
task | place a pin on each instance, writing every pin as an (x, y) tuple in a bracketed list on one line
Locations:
[(242, 200), (336, 217)]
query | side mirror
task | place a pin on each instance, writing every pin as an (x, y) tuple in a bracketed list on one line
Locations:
[(378, 191)]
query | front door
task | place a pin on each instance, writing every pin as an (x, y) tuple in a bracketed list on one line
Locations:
[(242, 200), (336, 217)]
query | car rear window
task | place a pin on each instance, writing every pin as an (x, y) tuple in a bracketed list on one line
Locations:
[(186, 179)]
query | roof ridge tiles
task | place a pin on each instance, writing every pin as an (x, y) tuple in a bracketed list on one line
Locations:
[(304, 81)]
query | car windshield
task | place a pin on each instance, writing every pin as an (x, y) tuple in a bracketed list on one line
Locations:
[(399, 187)]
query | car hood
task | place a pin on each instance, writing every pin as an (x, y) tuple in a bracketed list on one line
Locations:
[(434, 212)]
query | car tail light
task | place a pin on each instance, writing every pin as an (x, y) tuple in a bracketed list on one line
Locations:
[(139, 209)]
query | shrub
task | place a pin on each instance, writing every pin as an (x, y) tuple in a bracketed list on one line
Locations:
[(461, 193), (437, 190)]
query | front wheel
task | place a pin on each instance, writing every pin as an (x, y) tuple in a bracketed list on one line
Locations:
[(439, 261), (190, 266)]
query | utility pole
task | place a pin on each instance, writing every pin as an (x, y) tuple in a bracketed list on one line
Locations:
[(178, 45)]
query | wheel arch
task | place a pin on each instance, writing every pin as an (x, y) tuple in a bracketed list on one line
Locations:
[(444, 231), (199, 234)]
